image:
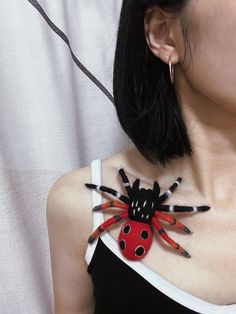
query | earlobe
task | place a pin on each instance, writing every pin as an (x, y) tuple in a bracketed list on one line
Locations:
[(163, 51), (168, 53)]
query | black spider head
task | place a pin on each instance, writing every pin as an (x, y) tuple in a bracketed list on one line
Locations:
[(144, 202)]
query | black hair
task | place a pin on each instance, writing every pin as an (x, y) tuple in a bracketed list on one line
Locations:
[(147, 105)]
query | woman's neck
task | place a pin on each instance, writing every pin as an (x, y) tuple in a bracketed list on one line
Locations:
[(212, 132), (210, 173)]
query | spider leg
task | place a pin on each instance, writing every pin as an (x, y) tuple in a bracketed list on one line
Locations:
[(110, 204), (126, 182), (172, 220), (156, 189), (171, 189), (106, 224), (165, 236), (104, 188), (177, 208), (135, 186)]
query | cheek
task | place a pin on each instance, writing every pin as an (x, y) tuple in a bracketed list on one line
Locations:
[(213, 75), (212, 72)]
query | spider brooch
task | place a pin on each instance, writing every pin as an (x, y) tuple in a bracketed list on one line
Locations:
[(143, 209)]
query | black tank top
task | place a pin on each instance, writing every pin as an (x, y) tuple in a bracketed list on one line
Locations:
[(118, 289), (126, 287)]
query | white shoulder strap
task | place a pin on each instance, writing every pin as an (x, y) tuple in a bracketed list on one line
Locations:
[(98, 217)]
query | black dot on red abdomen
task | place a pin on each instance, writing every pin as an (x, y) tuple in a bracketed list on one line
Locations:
[(122, 244), (139, 251), (144, 234), (126, 229)]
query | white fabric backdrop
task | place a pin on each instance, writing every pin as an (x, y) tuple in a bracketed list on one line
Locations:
[(56, 116)]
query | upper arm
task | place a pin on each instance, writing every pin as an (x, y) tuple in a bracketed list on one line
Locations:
[(67, 231)]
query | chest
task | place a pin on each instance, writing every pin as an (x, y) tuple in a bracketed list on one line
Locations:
[(210, 274)]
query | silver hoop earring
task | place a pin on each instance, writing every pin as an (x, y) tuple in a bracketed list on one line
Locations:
[(172, 71)]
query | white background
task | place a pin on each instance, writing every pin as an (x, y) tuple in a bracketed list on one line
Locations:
[(54, 119)]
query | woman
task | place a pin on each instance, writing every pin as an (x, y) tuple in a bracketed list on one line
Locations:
[(181, 125)]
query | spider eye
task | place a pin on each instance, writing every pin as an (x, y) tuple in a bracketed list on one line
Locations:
[(139, 251), (126, 229), (122, 245), (144, 234)]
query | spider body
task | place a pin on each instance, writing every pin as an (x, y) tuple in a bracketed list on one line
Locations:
[(143, 208), (135, 239), (136, 235)]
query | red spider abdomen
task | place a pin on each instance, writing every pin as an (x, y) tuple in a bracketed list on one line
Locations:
[(135, 239)]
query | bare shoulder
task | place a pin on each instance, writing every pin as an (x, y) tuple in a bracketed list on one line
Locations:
[(69, 201), (69, 222), (69, 198)]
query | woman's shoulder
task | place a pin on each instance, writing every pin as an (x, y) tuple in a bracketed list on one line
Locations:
[(71, 185), (70, 201)]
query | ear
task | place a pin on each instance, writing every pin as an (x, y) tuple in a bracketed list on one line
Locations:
[(159, 29)]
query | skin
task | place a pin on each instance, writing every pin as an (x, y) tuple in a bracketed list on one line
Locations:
[(208, 96), (206, 85)]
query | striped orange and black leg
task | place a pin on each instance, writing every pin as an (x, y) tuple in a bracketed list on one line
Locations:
[(106, 224), (110, 204), (172, 220), (165, 236), (106, 189)]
